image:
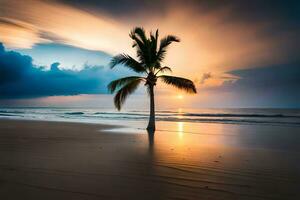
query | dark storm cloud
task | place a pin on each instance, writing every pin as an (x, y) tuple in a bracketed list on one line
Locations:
[(120, 7), (257, 10), (20, 78), (279, 76), (277, 85), (240, 10)]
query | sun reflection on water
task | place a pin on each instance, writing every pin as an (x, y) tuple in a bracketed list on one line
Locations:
[(180, 129)]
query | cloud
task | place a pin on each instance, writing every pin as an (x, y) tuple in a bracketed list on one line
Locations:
[(244, 10), (268, 77), (205, 76), (19, 78), (54, 20), (18, 33), (217, 36), (121, 8), (272, 86), (68, 56)]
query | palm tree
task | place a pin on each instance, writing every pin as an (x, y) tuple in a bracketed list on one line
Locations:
[(149, 63)]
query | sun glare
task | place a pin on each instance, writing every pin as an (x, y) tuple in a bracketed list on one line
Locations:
[(179, 96)]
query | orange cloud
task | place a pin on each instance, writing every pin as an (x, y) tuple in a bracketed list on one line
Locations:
[(71, 25)]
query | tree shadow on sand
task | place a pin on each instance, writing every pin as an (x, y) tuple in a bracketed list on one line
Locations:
[(151, 139)]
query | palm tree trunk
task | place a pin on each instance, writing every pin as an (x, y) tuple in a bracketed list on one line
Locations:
[(151, 124)]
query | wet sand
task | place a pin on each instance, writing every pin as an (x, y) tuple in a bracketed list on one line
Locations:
[(56, 160)]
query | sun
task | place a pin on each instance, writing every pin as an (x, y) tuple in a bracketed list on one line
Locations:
[(179, 96)]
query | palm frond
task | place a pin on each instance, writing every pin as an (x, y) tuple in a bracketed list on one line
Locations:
[(154, 38), (116, 84), (180, 83), (124, 92), (153, 49), (140, 42), (137, 42), (138, 32), (164, 43), (163, 69), (128, 61)]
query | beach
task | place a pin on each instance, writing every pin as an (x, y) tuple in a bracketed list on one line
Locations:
[(64, 160)]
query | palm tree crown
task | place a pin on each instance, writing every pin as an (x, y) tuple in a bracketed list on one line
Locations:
[(150, 55)]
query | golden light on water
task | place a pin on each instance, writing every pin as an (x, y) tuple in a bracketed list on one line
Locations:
[(180, 129), (184, 141)]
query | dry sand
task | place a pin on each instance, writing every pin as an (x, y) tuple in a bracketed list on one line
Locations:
[(55, 160)]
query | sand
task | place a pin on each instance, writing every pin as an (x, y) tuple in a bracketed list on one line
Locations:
[(56, 160)]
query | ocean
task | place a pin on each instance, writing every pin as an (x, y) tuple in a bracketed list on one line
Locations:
[(274, 117)]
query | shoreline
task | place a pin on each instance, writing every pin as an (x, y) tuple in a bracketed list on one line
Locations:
[(59, 121)]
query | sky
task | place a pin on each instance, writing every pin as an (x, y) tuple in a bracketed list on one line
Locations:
[(238, 53)]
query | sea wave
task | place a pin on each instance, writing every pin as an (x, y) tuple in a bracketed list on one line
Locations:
[(242, 115), (228, 121), (12, 111), (8, 115), (74, 113), (118, 113), (225, 115)]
